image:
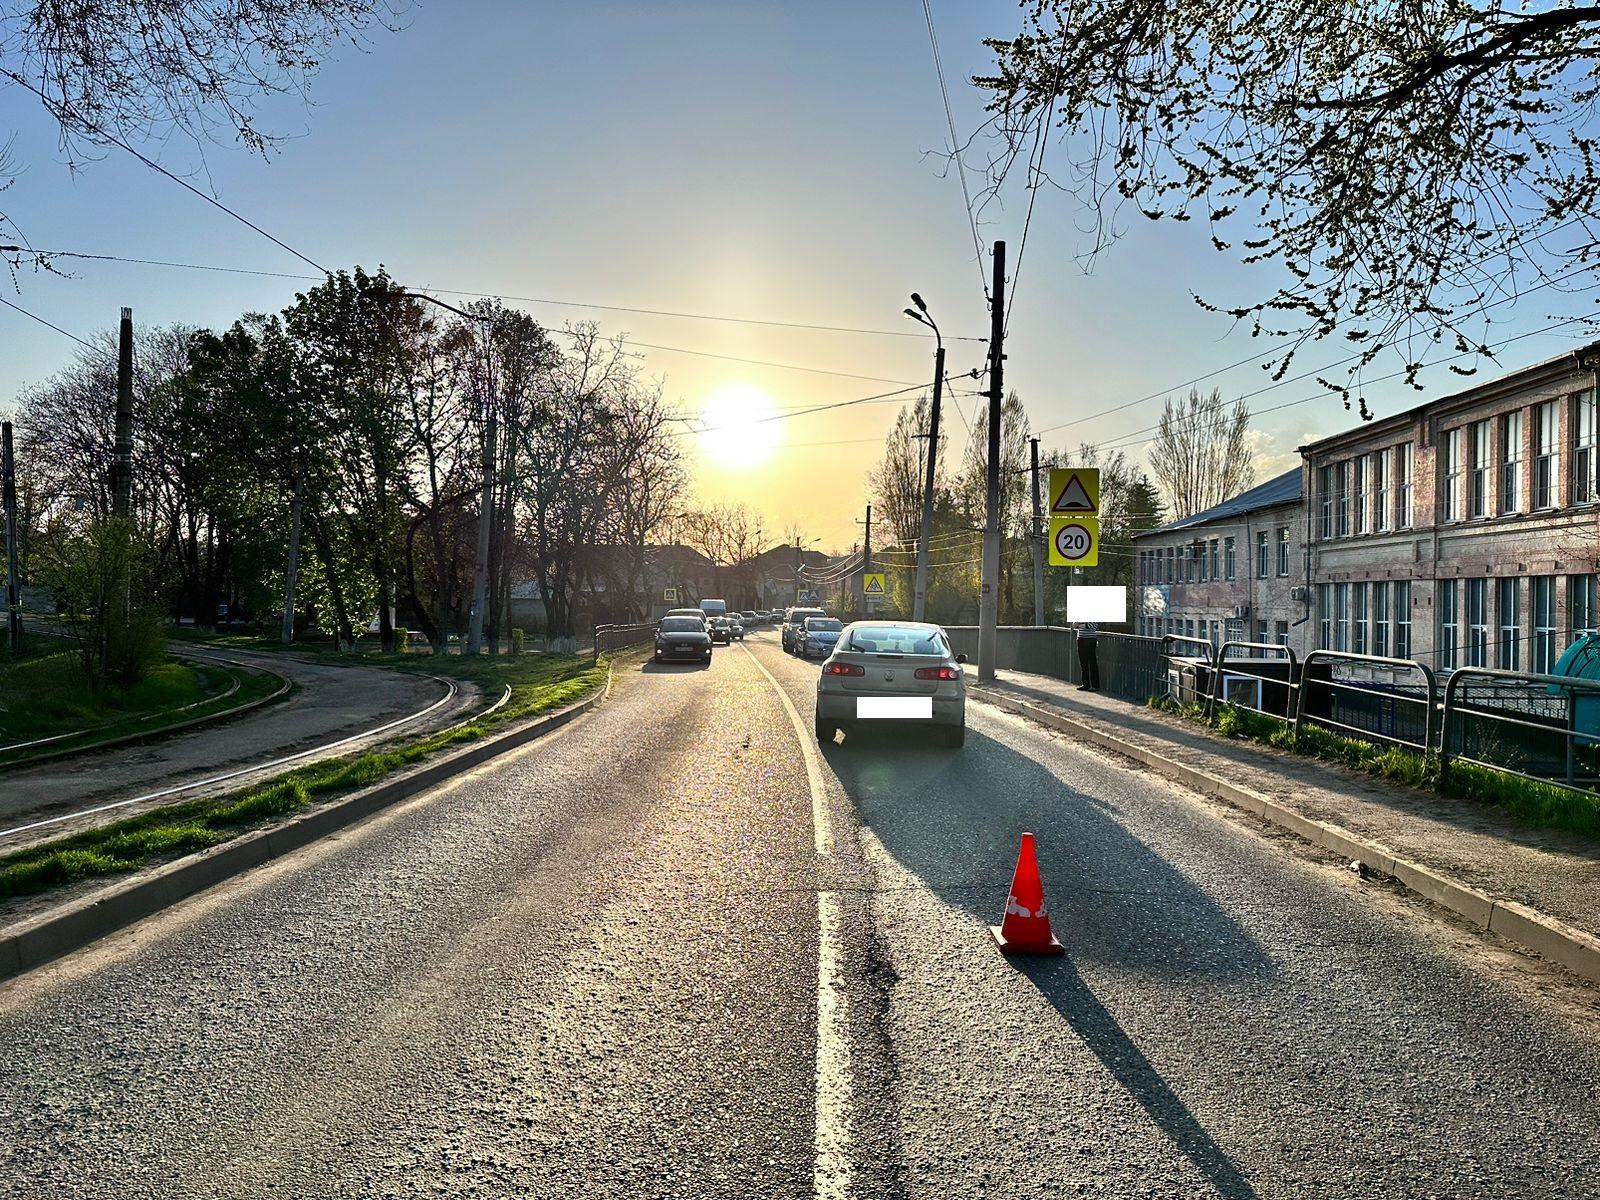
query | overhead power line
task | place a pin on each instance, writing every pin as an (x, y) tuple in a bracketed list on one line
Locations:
[(955, 147), (33, 316)]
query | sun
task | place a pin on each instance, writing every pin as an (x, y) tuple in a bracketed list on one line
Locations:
[(738, 429)]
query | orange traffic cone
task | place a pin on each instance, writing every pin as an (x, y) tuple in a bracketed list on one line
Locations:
[(1025, 928)]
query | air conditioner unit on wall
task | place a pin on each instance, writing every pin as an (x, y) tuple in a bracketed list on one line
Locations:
[(1299, 593)]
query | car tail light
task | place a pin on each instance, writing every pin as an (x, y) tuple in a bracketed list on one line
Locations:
[(843, 669), (938, 673)]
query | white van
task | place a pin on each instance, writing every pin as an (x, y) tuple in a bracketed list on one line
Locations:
[(714, 608)]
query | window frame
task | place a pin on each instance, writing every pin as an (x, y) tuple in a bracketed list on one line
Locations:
[(1511, 463)]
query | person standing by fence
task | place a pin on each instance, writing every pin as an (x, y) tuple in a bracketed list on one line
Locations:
[(1088, 656)]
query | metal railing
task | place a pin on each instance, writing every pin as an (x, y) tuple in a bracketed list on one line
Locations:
[(1286, 684), (1132, 667), (616, 637), (1531, 729), (1370, 708)]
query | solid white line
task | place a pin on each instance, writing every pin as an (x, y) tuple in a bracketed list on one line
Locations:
[(258, 767), (831, 1161), (821, 822)]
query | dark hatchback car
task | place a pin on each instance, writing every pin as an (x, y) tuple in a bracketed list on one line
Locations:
[(682, 637)]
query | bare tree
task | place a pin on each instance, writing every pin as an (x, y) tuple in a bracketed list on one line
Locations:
[(1201, 454), (897, 482)]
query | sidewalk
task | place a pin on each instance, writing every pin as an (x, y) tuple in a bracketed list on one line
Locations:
[(1554, 873)]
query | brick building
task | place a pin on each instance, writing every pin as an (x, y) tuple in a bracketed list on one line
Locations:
[(1465, 531), (1234, 572)]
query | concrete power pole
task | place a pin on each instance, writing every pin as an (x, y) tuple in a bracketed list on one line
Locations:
[(919, 604), (866, 559), (1039, 532), (8, 497), (122, 452), (480, 563), (989, 600)]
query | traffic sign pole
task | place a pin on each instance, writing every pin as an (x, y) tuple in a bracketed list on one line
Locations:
[(989, 598)]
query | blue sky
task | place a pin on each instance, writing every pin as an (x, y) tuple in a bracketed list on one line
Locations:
[(769, 160)]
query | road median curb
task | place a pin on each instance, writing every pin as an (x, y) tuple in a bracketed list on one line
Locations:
[(1545, 935), (48, 937)]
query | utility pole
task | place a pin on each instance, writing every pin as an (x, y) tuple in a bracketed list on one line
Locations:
[(122, 451), (8, 497), (1038, 538), (866, 559), (989, 600), (292, 569), (919, 603), (480, 563)]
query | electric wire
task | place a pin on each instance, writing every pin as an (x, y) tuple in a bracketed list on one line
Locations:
[(955, 147)]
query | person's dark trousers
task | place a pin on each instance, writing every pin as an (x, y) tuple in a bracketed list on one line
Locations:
[(1089, 663)]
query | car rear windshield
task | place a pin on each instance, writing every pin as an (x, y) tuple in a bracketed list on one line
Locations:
[(683, 625), (897, 639), (823, 625)]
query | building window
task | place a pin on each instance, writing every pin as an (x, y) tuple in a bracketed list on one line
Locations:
[(1405, 462), (1216, 562), (1454, 476), (1581, 612), (1358, 598), (1358, 469), (1341, 500), (1283, 552), (1586, 450), (1447, 657), (1511, 462), (1325, 500), (1546, 457), (1229, 565), (1477, 622), (1262, 554), (1380, 619), (1381, 499), (1402, 619), (1544, 623), (1280, 632), (1505, 602), (1478, 480), (1324, 616), (1341, 616)]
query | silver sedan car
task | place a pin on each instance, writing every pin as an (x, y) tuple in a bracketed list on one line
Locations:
[(893, 672)]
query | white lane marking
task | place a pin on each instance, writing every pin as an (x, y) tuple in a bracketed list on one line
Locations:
[(449, 695), (821, 821), (830, 1178), (831, 1167)]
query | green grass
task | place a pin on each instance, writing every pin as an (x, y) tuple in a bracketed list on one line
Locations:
[(1536, 804), (539, 683), (46, 696)]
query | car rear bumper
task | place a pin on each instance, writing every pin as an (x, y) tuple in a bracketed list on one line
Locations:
[(841, 706)]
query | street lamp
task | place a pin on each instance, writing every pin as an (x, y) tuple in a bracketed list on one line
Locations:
[(921, 315)]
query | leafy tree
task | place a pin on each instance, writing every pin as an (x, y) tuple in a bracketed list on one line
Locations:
[(1399, 169), (1200, 456)]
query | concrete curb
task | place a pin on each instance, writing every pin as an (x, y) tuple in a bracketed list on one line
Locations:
[(1547, 936), (150, 735), (54, 934)]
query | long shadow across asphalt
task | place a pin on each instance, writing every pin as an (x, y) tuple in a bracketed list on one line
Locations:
[(956, 818)]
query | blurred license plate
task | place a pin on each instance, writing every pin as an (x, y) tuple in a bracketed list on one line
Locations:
[(894, 708)]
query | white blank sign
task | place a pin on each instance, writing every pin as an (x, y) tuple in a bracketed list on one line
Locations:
[(894, 708), (1107, 605)]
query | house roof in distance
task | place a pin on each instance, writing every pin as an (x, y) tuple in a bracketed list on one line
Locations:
[(1283, 489)]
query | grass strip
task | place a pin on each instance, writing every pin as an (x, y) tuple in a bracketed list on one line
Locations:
[(539, 684), (1532, 803)]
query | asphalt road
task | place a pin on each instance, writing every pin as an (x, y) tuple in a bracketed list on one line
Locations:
[(667, 953), (329, 702)]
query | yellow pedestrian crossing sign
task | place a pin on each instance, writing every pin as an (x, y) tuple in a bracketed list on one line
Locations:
[(873, 585), (1074, 541), (1074, 492)]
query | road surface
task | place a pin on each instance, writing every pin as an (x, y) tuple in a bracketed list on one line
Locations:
[(329, 702), (666, 953)]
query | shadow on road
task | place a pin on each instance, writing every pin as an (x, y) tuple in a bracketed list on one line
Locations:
[(955, 819), (651, 667)]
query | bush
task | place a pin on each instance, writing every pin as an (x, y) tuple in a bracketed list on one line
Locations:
[(108, 586), (402, 639), (516, 641)]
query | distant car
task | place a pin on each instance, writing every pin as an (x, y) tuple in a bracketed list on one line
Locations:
[(819, 635), (750, 619), (682, 637), (687, 612), (794, 620), (720, 629), (736, 628), (893, 672)]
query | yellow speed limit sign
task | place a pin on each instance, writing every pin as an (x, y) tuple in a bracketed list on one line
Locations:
[(1074, 541)]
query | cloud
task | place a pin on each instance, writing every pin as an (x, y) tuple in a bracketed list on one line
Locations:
[(1268, 460)]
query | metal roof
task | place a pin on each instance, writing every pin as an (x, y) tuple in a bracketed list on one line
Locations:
[(1285, 489)]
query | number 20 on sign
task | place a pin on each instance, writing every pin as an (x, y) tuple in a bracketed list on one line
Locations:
[(1074, 541)]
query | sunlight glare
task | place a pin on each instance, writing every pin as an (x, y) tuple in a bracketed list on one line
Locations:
[(739, 434)]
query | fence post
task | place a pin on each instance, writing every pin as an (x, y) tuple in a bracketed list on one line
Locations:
[(595, 660)]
